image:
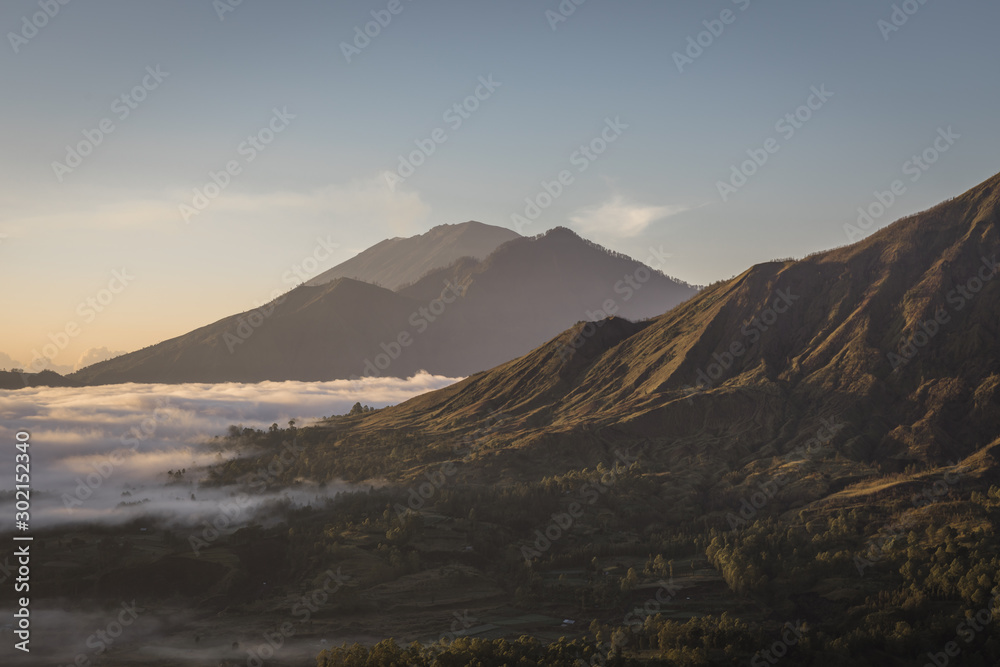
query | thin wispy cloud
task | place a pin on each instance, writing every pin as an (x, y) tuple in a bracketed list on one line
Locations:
[(622, 218), (96, 355), (365, 202), (368, 201)]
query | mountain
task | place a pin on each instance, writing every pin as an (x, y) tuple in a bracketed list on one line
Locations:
[(530, 289), (454, 321), (310, 333), (895, 337), (808, 451), (401, 261), (799, 462), (15, 380)]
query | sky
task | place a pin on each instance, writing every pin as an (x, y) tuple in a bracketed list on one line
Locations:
[(168, 164)]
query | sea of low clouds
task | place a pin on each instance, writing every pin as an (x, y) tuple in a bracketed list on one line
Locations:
[(144, 430)]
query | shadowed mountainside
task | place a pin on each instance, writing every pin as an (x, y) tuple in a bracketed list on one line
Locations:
[(12, 380), (402, 261), (454, 321), (895, 336)]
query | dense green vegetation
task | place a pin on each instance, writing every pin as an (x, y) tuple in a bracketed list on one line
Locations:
[(854, 582)]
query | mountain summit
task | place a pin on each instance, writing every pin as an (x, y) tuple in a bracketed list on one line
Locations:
[(896, 337), (401, 261), (455, 320)]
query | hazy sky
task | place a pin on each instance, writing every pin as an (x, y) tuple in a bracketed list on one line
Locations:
[(199, 81)]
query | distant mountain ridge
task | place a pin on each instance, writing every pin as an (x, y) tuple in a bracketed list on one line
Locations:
[(455, 320), (396, 262), (895, 337)]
